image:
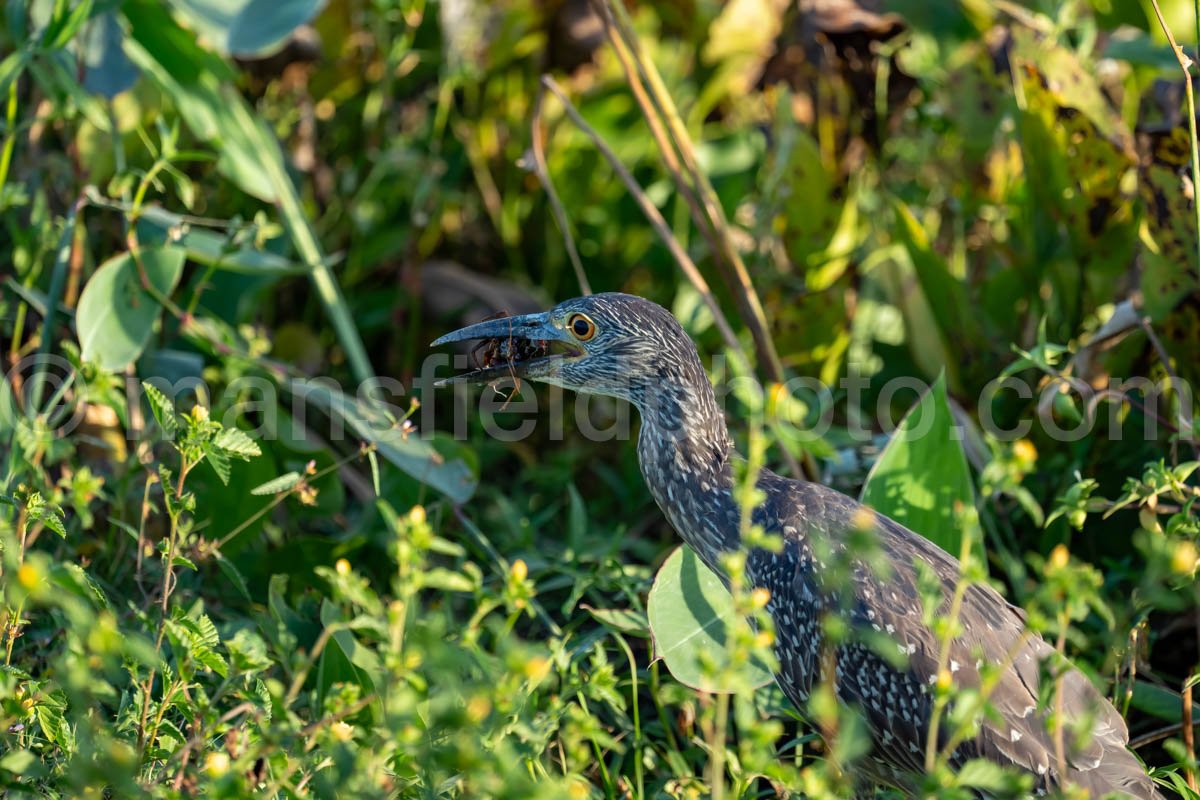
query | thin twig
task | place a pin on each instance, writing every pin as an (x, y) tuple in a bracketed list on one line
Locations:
[(538, 151), (615, 15), (1189, 741), (1158, 735), (679, 155), (1185, 424), (1185, 64), (656, 221)]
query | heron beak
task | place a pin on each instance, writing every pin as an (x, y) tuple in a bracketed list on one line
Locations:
[(531, 346)]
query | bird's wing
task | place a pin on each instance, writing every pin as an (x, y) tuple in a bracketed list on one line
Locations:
[(897, 701)]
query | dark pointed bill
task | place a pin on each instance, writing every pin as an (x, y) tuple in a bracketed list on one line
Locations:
[(511, 347)]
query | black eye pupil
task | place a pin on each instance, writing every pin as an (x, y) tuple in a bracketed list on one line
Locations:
[(581, 327)]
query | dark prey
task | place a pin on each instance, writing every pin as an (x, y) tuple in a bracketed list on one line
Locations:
[(628, 347)]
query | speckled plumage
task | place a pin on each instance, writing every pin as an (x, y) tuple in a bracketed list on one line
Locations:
[(641, 353)]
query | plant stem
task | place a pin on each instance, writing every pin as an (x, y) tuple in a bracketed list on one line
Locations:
[(1185, 64), (537, 149), (58, 279), (656, 221)]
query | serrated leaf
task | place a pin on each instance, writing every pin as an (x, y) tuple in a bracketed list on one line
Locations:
[(199, 640), (278, 485), (52, 521), (235, 442), (220, 464), (162, 408), (690, 613)]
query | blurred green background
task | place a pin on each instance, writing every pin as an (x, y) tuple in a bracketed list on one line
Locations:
[(258, 193)]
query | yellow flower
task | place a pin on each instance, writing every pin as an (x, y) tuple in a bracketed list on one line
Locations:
[(520, 570), (28, 576), (216, 764), (1183, 560), (342, 566), (537, 668), (478, 707), (760, 597), (1059, 557), (342, 731), (1025, 453)]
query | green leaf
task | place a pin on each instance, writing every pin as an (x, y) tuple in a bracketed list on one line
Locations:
[(197, 639), (283, 483), (945, 294), (373, 460), (210, 248), (162, 409), (52, 521), (410, 453), (62, 29), (184, 561), (248, 27), (232, 574), (235, 442), (446, 580), (107, 70), (22, 762), (219, 462), (690, 614), (1159, 701), (622, 620), (201, 85), (922, 475), (116, 314), (989, 776), (12, 66)]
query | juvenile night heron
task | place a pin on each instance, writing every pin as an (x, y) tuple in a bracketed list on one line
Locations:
[(628, 347)]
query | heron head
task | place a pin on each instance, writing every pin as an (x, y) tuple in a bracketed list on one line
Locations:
[(611, 344)]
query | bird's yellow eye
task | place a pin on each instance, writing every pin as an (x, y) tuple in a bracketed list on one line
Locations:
[(581, 327)]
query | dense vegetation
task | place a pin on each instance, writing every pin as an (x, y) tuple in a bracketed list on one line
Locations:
[(221, 576)]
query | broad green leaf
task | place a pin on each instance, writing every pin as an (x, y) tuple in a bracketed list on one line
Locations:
[(921, 477), (944, 293), (414, 455), (690, 613), (116, 314), (247, 27), (205, 92), (1159, 701), (208, 247), (107, 70), (22, 762)]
